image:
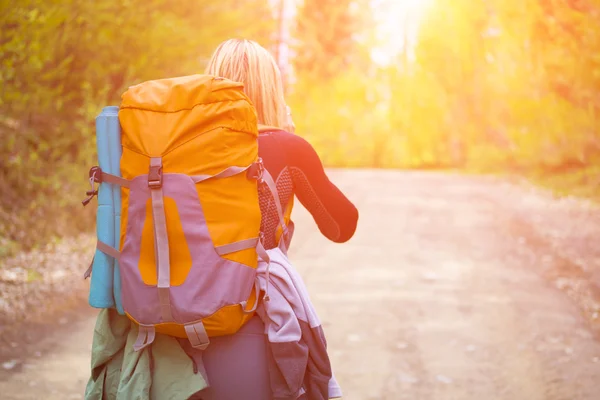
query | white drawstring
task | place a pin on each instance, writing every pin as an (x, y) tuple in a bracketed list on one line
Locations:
[(262, 253)]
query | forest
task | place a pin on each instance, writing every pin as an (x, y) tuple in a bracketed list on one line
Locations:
[(500, 87)]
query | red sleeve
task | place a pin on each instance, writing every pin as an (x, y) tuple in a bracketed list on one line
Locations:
[(333, 212)]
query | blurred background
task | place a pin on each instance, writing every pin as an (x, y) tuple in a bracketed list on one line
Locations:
[(495, 86), (467, 132)]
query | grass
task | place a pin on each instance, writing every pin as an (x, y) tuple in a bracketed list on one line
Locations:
[(581, 182)]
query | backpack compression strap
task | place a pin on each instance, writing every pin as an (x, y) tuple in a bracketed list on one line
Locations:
[(99, 176), (161, 239)]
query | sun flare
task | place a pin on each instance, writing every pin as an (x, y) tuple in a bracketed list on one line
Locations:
[(397, 24)]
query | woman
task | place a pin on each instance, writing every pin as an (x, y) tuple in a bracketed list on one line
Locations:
[(237, 365)]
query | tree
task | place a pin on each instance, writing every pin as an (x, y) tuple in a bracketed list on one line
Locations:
[(62, 61), (325, 36), (450, 53), (503, 83)]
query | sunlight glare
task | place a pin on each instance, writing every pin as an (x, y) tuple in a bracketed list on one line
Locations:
[(397, 24)]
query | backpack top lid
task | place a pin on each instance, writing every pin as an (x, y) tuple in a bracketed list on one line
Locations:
[(160, 115)]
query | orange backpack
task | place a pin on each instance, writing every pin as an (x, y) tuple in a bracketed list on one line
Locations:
[(190, 216)]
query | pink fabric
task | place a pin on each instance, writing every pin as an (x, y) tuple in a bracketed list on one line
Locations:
[(236, 365), (298, 359), (290, 362)]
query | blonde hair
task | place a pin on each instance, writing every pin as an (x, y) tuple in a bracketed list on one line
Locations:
[(246, 61)]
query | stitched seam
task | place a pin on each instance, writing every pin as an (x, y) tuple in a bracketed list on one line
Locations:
[(192, 138), (202, 133), (182, 109)]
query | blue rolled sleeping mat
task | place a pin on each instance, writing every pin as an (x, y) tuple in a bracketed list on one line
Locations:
[(105, 286)]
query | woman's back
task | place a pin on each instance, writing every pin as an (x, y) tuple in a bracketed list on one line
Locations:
[(297, 172)]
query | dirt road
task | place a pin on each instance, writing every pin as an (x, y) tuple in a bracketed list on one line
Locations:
[(453, 288)]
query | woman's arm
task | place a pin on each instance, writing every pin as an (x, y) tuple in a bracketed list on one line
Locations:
[(334, 214)]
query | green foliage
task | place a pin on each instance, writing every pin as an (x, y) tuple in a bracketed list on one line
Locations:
[(329, 120), (62, 61), (503, 85), (491, 86), (582, 182)]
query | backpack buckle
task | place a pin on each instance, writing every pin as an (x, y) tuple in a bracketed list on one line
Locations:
[(256, 170), (155, 177), (95, 176)]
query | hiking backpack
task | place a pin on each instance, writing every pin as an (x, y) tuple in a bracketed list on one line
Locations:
[(188, 215)]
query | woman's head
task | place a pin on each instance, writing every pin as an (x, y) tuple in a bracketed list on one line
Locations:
[(248, 62)]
